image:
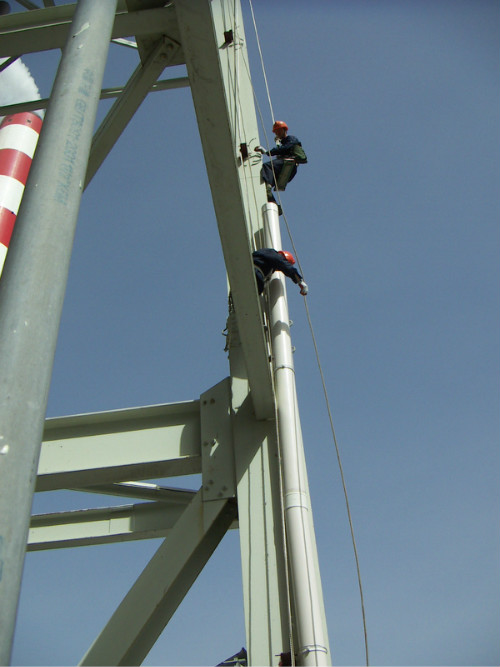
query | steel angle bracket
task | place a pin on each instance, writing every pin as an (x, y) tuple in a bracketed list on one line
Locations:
[(217, 452)]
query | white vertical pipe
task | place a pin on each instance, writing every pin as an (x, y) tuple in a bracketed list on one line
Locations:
[(310, 621)]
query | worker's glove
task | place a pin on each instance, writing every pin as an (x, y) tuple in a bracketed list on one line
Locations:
[(260, 149), (303, 288)]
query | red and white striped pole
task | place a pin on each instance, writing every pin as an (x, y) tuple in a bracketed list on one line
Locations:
[(18, 139)]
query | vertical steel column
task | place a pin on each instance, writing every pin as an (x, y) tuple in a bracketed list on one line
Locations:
[(34, 281), (265, 592), (312, 639)]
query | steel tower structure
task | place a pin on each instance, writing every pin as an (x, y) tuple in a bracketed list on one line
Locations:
[(242, 435)]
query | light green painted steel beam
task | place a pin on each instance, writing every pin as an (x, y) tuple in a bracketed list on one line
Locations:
[(221, 91), (217, 449), (143, 491), (263, 560), (102, 526), (107, 525), (106, 94), (145, 44), (148, 606), (162, 54), (122, 445), (45, 29)]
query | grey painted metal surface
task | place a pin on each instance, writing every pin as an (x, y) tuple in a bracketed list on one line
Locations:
[(34, 280)]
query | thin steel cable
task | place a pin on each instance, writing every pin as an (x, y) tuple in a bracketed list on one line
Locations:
[(341, 469), (261, 59)]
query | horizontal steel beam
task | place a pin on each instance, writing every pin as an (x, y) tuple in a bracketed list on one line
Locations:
[(106, 94), (45, 29), (103, 526), (121, 445), (142, 491), (106, 525)]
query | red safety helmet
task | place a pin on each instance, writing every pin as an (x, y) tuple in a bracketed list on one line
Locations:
[(278, 124), (287, 255)]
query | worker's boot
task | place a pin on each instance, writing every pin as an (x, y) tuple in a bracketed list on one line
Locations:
[(271, 199)]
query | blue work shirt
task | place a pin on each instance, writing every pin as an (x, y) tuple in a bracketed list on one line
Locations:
[(268, 260), (286, 147)]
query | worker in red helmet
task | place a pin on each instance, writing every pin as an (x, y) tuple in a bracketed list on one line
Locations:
[(267, 260), (287, 146)]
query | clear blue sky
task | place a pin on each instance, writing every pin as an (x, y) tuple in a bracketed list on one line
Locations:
[(396, 220)]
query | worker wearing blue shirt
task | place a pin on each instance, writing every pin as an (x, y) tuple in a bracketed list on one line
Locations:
[(289, 146), (268, 260)]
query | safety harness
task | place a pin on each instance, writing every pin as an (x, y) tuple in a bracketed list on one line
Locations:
[(298, 156)]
